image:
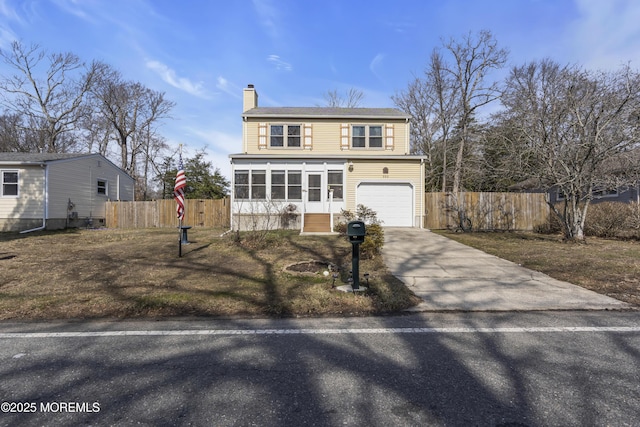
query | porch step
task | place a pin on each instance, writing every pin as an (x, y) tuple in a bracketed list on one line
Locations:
[(317, 223)]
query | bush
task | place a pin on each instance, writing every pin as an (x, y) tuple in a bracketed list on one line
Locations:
[(607, 219), (374, 234), (552, 226), (373, 241)]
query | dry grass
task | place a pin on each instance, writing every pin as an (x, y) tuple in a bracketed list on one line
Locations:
[(609, 267), (137, 273)]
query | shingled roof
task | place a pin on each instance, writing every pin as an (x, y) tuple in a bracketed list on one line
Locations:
[(38, 157), (326, 112)]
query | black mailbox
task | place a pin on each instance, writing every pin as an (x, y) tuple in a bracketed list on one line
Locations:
[(356, 231)]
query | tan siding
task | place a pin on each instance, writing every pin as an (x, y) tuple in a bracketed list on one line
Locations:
[(327, 137), (30, 201), (398, 170)]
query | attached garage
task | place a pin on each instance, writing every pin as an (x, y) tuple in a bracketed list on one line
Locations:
[(392, 201)]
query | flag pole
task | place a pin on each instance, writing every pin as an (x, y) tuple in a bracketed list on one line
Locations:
[(180, 215)]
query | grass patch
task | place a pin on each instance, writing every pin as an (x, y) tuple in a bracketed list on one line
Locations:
[(87, 274), (610, 267)]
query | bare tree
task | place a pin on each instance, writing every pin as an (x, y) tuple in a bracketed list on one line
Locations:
[(47, 90), (351, 99), (431, 101), (446, 99), (576, 128), (133, 113), (473, 57)]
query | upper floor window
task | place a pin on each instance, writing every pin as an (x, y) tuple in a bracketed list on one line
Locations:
[(285, 136), (366, 136), (9, 183)]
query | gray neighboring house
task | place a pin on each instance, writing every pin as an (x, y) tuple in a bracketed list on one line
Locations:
[(58, 190), (624, 194)]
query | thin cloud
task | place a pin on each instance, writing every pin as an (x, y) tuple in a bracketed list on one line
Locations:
[(74, 8), (182, 83), (606, 35), (269, 17), (375, 64), (278, 63), (229, 88)]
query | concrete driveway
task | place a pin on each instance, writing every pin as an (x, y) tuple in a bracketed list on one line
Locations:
[(448, 275)]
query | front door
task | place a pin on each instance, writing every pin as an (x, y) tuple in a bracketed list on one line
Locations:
[(314, 193)]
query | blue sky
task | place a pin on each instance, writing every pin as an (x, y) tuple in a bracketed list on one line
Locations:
[(201, 53)]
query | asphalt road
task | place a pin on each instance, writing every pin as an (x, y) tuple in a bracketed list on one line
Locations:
[(455, 369)]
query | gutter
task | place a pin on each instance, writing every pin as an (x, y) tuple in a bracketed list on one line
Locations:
[(46, 197)]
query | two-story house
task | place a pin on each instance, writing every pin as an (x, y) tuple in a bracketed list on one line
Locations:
[(322, 160)]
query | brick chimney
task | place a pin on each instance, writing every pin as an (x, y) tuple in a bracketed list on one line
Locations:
[(249, 98)]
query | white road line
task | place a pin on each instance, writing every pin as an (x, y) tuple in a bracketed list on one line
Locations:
[(187, 332)]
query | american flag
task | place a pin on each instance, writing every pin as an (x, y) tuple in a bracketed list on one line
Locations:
[(178, 189)]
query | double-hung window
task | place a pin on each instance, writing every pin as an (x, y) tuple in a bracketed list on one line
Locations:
[(366, 136), (102, 187), (10, 183), (286, 136)]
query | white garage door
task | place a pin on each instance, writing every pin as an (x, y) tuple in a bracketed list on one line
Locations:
[(392, 201)]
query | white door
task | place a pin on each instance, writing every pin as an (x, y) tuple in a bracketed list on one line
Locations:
[(314, 191), (392, 201)]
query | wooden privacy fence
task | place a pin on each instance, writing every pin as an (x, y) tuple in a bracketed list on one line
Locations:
[(487, 211), (162, 213)]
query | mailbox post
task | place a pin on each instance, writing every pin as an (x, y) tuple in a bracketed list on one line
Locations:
[(355, 232)]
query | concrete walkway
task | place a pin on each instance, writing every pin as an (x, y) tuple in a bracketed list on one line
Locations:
[(448, 275)]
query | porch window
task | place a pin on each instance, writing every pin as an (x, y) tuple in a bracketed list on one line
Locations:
[(288, 136), (278, 185), (335, 184), (10, 183), (294, 189), (258, 185), (241, 185), (366, 136)]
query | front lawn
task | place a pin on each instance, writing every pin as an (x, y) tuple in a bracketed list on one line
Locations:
[(105, 273)]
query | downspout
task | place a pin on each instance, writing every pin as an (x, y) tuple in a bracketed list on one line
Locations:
[(232, 196), (45, 212), (422, 193)]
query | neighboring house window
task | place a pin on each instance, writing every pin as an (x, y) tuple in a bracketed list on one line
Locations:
[(102, 187), (365, 136), (285, 136), (241, 183), (294, 189), (10, 183), (258, 184), (609, 192), (335, 184)]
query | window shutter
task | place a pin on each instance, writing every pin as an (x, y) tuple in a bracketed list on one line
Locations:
[(344, 136), (308, 140), (388, 136), (262, 135)]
